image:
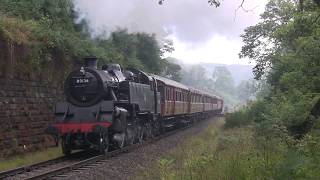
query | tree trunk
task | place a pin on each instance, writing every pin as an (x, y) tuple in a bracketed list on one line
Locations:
[(300, 5)]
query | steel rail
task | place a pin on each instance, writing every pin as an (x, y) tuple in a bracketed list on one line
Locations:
[(28, 168), (34, 166)]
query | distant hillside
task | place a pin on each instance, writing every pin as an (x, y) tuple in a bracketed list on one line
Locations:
[(239, 72)]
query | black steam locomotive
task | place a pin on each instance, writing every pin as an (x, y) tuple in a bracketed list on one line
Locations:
[(112, 107)]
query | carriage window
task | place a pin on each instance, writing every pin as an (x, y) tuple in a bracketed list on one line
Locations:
[(214, 101), (172, 94), (167, 94)]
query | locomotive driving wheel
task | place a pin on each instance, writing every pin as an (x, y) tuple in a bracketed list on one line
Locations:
[(156, 128), (104, 143), (65, 148), (149, 131), (130, 136), (140, 134), (122, 141)]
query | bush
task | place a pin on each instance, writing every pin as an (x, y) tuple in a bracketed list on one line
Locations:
[(238, 118), (258, 110)]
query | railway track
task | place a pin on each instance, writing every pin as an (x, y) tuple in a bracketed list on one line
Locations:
[(56, 168), (26, 171)]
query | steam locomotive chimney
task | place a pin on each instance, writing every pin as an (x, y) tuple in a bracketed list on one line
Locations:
[(91, 62)]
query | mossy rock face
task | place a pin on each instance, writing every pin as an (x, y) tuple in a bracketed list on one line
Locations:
[(29, 52), (16, 31)]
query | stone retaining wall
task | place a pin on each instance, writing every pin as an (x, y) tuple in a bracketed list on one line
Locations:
[(26, 108)]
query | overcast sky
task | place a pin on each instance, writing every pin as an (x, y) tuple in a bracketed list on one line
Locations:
[(201, 33)]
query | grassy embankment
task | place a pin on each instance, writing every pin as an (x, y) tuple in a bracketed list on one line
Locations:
[(29, 158), (220, 152)]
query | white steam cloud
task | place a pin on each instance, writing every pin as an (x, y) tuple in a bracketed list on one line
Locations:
[(190, 21)]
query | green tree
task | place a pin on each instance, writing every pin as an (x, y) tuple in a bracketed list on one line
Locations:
[(223, 80), (194, 76), (286, 48), (149, 52), (171, 70), (246, 90)]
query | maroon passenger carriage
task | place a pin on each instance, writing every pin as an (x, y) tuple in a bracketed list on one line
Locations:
[(115, 107)]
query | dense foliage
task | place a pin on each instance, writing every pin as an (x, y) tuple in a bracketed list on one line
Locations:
[(48, 39), (286, 48)]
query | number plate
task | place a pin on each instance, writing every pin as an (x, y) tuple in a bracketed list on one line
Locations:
[(81, 81)]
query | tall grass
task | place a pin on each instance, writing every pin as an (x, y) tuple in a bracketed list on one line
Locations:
[(219, 153)]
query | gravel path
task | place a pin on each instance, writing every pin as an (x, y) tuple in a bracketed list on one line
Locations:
[(126, 165)]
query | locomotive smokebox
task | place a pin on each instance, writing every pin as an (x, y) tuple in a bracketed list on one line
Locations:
[(91, 62)]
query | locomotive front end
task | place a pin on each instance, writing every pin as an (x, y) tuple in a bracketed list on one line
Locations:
[(83, 120)]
